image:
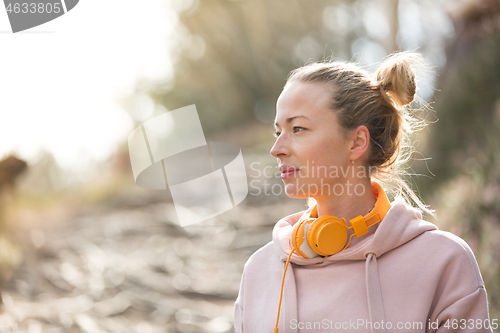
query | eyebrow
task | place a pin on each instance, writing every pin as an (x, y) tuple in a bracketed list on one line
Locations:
[(289, 120)]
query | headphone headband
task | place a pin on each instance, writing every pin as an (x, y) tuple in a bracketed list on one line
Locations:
[(360, 223)]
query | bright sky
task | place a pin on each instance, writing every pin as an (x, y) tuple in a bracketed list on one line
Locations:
[(58, 81)]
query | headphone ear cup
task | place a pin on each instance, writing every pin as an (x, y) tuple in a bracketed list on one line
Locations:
[(299, 239), (327, 235)]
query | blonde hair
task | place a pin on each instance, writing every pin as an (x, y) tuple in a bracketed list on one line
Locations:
[(379, 102)]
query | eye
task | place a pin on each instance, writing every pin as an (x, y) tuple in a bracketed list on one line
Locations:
[(295, 130)]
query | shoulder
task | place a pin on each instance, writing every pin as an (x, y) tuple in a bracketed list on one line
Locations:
[(263, 255), (263, 269), (447, 242), (451, 254)]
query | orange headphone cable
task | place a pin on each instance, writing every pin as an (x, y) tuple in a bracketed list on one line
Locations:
[(281, 293)]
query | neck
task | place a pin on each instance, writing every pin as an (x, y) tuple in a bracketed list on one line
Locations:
[(348, 205)]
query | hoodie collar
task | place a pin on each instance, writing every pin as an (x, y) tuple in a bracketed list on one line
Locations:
[(401, 224)]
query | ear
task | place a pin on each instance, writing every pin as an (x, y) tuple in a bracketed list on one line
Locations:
[(360, 142)]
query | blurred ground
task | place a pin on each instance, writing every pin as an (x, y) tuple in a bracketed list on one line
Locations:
[(121, 263)]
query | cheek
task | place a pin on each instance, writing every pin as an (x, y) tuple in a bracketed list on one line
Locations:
[(328, 150), (326, 156)]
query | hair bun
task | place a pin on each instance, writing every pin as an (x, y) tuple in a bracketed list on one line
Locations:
[(396, 77)]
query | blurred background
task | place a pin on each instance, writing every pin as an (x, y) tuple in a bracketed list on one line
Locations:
[(84, 249)]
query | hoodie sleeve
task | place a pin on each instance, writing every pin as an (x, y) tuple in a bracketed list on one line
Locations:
[(468, 314), (238, 308), (461, 296), (238, 316)]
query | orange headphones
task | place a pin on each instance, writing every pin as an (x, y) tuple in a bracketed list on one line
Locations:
[(327, 235)]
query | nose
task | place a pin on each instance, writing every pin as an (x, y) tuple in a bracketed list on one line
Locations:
[(280, 147)]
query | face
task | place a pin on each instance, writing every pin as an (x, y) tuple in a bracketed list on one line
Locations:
[(310, 145)]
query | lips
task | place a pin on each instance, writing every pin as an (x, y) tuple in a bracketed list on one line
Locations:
[(288, 171)]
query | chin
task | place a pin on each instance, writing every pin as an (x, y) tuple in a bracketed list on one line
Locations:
[(292, 190), (310, 189)]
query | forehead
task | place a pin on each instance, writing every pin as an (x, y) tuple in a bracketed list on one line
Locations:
[(310, 99)]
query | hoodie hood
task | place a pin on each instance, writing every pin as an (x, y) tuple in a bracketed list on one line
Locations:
[(401, 224)]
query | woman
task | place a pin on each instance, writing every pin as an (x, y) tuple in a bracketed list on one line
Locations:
[(358, 262)]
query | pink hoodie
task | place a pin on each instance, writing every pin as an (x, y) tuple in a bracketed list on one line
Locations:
[(405, 275)]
